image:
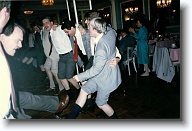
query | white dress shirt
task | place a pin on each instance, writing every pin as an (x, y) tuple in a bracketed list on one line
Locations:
[(98, 38), (5, 85), (92, 42), (46, 45), (60, 40), (80, 41)]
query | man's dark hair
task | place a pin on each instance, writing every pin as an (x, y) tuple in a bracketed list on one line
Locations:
[(7, 4), (47, 17), (119, 31), (141, 20), (68, 24), (9, 28)]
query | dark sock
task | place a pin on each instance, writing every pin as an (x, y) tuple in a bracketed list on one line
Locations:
[(44, 74), (70, 93), (114, 116), (78, 91), (90, 102), (74, 112)]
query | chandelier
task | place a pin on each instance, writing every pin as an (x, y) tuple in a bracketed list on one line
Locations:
[(28, 12), (131, 10), (163, 3), (47, 2), (106, 15)]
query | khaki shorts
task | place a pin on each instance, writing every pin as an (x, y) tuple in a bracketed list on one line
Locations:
[(51, 65)]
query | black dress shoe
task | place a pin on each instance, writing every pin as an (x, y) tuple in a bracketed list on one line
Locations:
[(101, 115), (87, 110)]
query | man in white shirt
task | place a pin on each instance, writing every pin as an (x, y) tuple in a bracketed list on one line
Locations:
[(63, 46), (52, 57), (5, 76)]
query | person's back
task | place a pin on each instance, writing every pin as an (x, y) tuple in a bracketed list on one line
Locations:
[(127, 41), (107, 43), (111, 32)]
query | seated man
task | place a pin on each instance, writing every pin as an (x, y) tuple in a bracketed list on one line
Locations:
[(53, 104), (11, 39), (126, 40)]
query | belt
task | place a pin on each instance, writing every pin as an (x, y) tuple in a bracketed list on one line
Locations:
[(65, 53)]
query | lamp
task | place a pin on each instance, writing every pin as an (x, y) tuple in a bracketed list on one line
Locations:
[(127, 17), (28, 12), (163, 3), (47, 2), (106, 15), (131, 10)]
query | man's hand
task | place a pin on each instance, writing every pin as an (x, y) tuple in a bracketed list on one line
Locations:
[(131, 30), (76, 78), (83, 83), (113, 62)]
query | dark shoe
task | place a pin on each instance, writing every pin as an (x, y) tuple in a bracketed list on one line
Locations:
[(145, 74), (60, 94), (65, 116), (87, 110), (50, 90), (101, 115), (63, 104)]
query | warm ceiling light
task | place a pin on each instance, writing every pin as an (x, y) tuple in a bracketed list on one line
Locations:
[(163, 3), (47, 2), (28, 12), (131, 10)]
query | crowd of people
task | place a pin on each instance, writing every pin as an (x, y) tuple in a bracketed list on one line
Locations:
[(58, 51)]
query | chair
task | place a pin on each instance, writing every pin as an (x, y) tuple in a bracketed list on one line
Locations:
[(151, 49), (177, 65), (130, 58), (175, 57)]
